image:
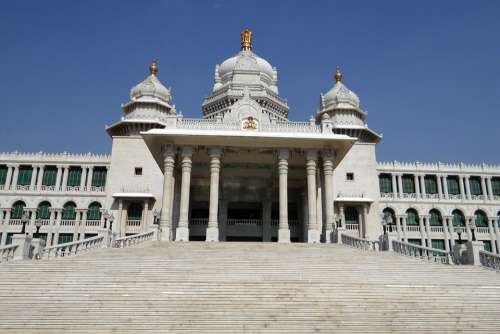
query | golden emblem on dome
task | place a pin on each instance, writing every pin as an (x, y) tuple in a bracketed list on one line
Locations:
[(338, 74), (246, 40), (153, 68)]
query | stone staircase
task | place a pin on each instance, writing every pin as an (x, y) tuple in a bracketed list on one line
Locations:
[(201, 287)]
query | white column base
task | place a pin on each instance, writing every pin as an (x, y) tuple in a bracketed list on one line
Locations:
[(284, 235), (329, 237), (164, 233), (182, 234), (212, 234), (313, 236)]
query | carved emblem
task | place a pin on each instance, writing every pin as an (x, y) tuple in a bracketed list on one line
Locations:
[(249, 124)]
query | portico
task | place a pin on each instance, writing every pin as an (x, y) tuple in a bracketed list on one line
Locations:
[(247, 183)]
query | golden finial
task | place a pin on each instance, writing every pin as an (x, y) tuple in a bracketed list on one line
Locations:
[(246, 40), (338, 74), (153, 68)]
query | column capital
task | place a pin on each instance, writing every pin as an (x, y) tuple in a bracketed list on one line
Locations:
[(328, 154), (187, 151), (12, 165), (283, 154), (311, 155), (215, 151), (168, 150)]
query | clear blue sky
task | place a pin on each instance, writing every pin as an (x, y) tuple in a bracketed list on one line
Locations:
[(427, 72)]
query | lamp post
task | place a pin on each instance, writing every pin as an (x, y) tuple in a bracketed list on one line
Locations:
[(459, 231), (24, 220), (156, 215), (386, 221), (108, 217), (472, 227), (38, 224)]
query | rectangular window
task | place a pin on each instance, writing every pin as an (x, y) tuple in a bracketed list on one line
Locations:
[(3, 174), (453, 186), (385, 183), (349, 176), (487, 245), (475, 186), (99, 177), (137, 171), (495, 185), (74, 176), (49, 176), (430, 184), (64, 238), (408, 184), (24, 176), (437, 243)]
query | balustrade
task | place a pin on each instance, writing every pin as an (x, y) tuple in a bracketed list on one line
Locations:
[(360, 243), (244, 222), (92, 223), (68, 222), (437, 229), (489, 260), (411, 228), (352, 227), (23, 188), (44, 222), (198, 221), (421, 252), (7, 253), (74, 248), (133, 222), (482, 230), (135, 239), (15, 222)]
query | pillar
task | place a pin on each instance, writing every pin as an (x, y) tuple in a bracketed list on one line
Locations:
[(328, 156), (65, 178), (266, 215), (484, 190), (57, 225), (398, 228), (8, 181), (446, 234), (492, 234), (449, 221), (462, 187), (490, 188), (83, 177), (145, 215), (215, 154), (428, 230), (445, 185), (468, 221), (364, 223), (58, 177), (394, 185), (39, 182), (89, 178), (417, 186), (497, 233), (284, 230), (440, 186), (467, 188), (166, 214), (34, 175), (422, 188), (50, 229), (319, 201), (400, 184), (313, 234), (403, 219), (14, 177), (182, 232)]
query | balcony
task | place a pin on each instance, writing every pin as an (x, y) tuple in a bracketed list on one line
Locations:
[(437, 229), (94, 223), (482, 230), (412, 228), (68, 222)]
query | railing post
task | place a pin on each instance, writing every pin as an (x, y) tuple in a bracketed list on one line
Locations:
[(23, 251)]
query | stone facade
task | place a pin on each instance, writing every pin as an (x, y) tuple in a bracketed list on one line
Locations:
[(245, 172)]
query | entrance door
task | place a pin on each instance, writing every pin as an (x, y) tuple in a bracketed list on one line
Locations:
[(244, 221)]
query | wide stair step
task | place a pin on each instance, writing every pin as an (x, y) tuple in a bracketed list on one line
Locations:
[(245, 288)]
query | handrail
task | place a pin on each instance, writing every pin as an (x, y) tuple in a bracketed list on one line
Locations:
[(424, 253), (489, 260), (134, 239), (360, 243), (7, 253), (73, 248)]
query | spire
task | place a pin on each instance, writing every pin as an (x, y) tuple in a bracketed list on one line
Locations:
[(246, 40), (338, 74), (153, 68)]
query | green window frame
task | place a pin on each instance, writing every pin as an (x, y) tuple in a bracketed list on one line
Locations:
[(385, 183), (64, 238), (458, 219), (351, 215), (74, 176), (480, 219), (453, 185), (435, 218), (408, 184), (94, 212), (17, 210), (43, 211), (475, 186), (412, 218), (3, 174), (495, 186), (430, 182), (69, 211), (49, 176), (438, 244), (99, 177), (24, 176), (134, 211)]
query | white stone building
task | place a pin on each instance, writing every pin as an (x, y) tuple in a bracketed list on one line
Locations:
[(244, 172)]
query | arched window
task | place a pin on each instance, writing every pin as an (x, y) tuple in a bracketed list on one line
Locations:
[(17, 210), (69, 211), (481, 219), (435, 218), (43, 210), (94, 211), (389, 213), (351, 215), (134, 211), (412, 217), (458, 218)]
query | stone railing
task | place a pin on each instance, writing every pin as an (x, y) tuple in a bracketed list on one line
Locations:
[(489, 260), (135, 239), (7, 253), (424, 253), (437, 229), (482, 230), (352, 227), (386, 195), (47, 188), (23, 187), (91, 222), (72, 188), (74, 248), (15, 222), (430, 196), (133, 222), (412, 228), (198, 221), (244, 222), (68, 222), (360, 243)]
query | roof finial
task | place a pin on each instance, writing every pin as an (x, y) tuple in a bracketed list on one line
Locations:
[(153, 68), (246, 40), (338, 74)]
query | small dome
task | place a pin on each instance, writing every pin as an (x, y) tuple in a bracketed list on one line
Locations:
[(151, 87), (340, 96)]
